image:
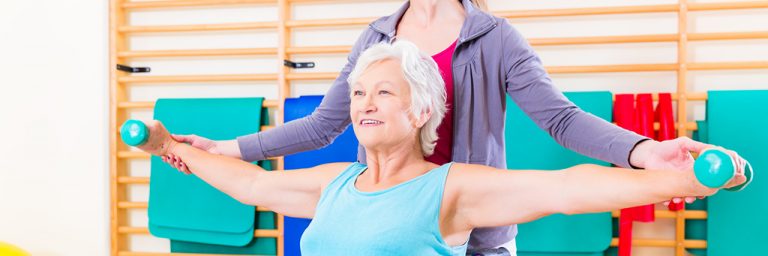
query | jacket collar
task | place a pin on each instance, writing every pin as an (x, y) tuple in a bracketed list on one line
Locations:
[(477, 23)]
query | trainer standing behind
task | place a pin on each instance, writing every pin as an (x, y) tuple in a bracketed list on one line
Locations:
[(481, 57)]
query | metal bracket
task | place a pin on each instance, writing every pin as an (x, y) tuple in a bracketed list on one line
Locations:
[(292, 64), (132, 69)]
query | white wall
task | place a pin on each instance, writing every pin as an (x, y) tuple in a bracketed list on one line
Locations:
[(53, 121), (54, 88)]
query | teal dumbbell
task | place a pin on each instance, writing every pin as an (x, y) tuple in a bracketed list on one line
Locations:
[(714, 168), (134, 133)]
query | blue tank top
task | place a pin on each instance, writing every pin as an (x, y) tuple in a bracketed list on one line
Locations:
[(400, 220)]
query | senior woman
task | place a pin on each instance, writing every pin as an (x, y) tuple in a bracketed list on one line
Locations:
[(401, 204), (481, 58)]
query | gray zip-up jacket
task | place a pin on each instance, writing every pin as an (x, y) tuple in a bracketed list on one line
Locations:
[(491, 58)]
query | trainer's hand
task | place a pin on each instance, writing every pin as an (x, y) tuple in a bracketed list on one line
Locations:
[(201, 143), (667, 155), (228, 148), (176, 162)]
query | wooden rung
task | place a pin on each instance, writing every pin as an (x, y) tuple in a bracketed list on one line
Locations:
[(691, 244), (630, 9), (132, 154), (603, 40), (319, 49), (551, 70), (576, 40), (196, 53), (593, 69), (191, 3), (333, 1), (611, 68), (666, 214), (202, 27), (694, 96), (151, 104), (587, 11), (144, 230), (328, 22), (312, 76), (132, 205), (137, 154), (135, 104), (144, 205), (132, 180), (143, 155), (691, 126), (728, 65), (198, 78), (728, 36), (727, 5)]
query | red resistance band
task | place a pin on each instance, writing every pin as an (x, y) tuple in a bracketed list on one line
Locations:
[(639, 119)]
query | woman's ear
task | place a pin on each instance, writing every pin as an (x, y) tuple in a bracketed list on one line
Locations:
[(423, 118)]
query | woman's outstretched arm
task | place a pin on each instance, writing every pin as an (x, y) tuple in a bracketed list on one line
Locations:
[(486, 196), (293, 193)]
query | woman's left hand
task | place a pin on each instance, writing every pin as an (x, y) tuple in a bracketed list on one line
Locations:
[(673, 155), (159, 142)]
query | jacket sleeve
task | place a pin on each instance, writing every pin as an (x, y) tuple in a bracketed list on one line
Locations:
[(315, 131), (529, 85)]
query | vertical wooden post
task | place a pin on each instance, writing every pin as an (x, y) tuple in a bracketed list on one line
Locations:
[(682, 107), (284, 41), (117, 95)]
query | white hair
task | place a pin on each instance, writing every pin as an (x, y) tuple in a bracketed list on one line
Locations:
[(423, 76)]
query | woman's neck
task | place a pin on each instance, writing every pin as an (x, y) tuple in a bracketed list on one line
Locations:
[(426, 13), (394, 163)]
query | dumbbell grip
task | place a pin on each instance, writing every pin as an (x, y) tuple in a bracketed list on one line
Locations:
[(134, 133), (714, 168)]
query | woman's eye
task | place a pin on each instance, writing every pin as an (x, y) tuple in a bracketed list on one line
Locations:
[(357, 93), (384, 92)]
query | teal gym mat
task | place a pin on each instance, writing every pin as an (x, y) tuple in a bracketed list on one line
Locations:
[(529, 147), (697, 229), (737, 222), (259, 245), (183, 207)]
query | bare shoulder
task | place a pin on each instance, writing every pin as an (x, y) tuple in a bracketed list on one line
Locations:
[(464, 176)]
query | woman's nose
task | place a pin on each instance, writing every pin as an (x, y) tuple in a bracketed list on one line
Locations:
[(369, 104)]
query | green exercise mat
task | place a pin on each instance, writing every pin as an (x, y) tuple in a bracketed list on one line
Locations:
[(259, 245), (697, 229), (737, 221), (529, 147), (183, 207)]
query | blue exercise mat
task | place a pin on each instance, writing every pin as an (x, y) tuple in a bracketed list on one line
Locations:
[(529, 147), (343, 149)]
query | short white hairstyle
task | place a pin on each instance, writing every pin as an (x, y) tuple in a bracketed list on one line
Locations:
[(423, 76)]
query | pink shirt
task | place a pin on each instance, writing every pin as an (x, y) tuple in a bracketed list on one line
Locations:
[(442, 153)]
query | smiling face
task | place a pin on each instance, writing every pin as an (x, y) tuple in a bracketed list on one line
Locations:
[(380, 107)]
